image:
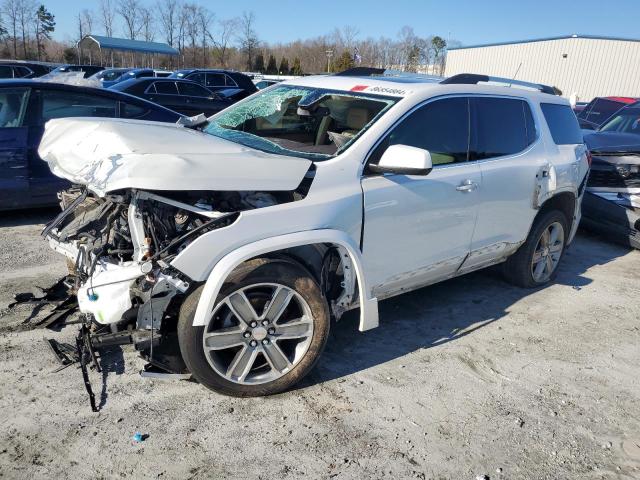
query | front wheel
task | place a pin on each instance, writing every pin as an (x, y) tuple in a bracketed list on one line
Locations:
[(266, 332), (536, 261)]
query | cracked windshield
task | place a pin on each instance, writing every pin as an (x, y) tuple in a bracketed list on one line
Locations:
[(305, 122)]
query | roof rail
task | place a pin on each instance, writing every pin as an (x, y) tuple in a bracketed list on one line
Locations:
[(474, 79), (360, 72)]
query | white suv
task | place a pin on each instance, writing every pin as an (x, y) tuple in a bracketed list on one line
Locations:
[(238, 238)]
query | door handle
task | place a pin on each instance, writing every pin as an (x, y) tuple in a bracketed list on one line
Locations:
[(467, 186)]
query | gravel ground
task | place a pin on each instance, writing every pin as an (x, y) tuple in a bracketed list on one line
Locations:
[(464, 379)]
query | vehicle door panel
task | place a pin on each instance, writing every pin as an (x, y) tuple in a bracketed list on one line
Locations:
[(14, 169), (14, 139), (418, 229), (504, 143)]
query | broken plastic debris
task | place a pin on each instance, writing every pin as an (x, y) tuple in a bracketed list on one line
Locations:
[(139, 437)]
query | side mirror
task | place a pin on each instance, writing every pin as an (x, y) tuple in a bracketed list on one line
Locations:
[(404, 160)]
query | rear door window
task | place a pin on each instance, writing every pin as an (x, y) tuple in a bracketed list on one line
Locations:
[(13, 105), (128, 110), (166, 88), (563, 124), (230, 82), (6, 72), (216, 80), (22, 72), (500, 127), (198, 78), (193, 90), (61, 104)]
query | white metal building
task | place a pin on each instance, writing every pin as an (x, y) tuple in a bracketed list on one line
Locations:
[(588, 66)]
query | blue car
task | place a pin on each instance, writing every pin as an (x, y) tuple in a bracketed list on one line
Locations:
[(131, 73), (25, 106), (110, 76)]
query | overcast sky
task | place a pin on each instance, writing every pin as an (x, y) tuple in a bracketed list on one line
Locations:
[(471, 22)]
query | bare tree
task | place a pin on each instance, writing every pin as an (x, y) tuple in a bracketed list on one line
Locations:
[(11, 9), (130, 11), (26, 12), (248, 38), (191, 27), (147, 23), (226, 30), (205, 18), (107, 16), (87, 18), (168, 16)]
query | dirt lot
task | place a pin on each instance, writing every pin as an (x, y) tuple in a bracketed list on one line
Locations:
[(468, 378)]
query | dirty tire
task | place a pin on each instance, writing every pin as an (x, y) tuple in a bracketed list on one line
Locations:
[(517, 268), (257, 271)]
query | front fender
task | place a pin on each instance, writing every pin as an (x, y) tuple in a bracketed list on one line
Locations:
[(222, 269)]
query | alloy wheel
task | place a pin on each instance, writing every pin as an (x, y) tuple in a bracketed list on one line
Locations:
[(547, 253), (258, 333)]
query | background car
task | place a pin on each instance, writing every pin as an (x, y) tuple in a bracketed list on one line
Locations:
[(600, 109), (216, 80), (109, 76), (184, 96), (87, 69), (131, 73), (23, 69), (611, 204), (25, 106), (262, 84), (625, 120)]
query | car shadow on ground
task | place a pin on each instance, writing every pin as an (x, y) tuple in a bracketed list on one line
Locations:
[(34, 216), (111, 362), (443, 312)]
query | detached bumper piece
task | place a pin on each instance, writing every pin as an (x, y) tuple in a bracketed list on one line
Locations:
[(618, 223), (58, 301), (165, 361)]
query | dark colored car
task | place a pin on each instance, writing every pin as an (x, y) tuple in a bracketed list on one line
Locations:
[(600, 109), (184, 96), (25, 106), (23, 69), (612, 201), (88, 70), (131, 73), (216, 80), (262, 84), (109, 76)]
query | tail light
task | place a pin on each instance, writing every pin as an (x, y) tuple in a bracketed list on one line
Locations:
[(589, 158)]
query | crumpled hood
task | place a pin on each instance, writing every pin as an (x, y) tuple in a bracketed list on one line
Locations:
[(112, 154)]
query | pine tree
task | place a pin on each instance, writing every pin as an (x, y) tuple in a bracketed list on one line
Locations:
[(45, 25), (344, 62), (296, 69), (272, 68), (284, 67), (258, 64)]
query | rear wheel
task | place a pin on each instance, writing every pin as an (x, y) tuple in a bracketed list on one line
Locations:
[(536, 261), (265, 333)]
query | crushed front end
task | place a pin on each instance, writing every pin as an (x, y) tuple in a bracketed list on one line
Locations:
[(611, 204), (118, 249)]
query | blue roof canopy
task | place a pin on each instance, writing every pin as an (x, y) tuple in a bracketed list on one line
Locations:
[(124, 44)]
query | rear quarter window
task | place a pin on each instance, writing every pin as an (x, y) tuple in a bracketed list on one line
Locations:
[(563, 124)]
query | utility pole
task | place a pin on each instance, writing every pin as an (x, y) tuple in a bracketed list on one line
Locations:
[(329, 55)]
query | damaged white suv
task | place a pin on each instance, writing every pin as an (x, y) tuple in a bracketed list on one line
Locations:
[(224, 247)]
